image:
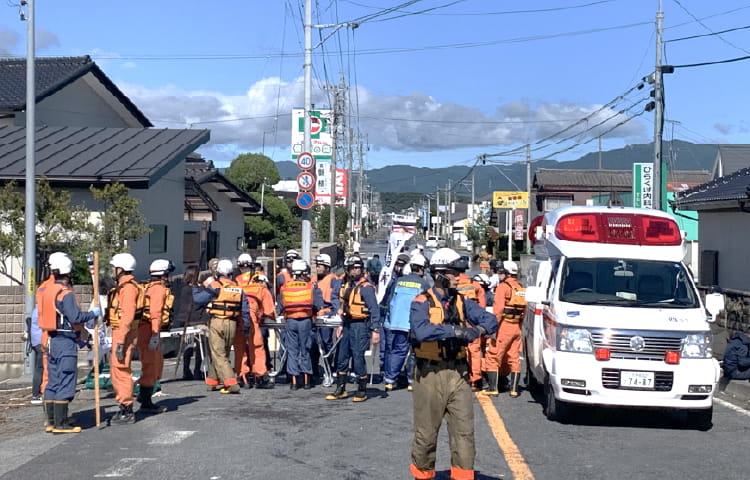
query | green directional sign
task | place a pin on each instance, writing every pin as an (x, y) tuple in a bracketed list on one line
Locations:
[(321, 141)]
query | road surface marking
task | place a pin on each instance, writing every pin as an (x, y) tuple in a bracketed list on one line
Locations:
[(732, 406), (171, 438), (123, 468), (513, 457)]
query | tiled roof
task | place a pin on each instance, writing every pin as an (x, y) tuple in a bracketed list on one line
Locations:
[(91, 154), (733, 158), (51, 75), (547, 179), (729, 188)]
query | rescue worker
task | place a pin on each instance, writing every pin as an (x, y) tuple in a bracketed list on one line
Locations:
[(61, 317), (484, 281), (396, 325), (252, 354), (471, 289), (399, 266), (285, 275), (360, 315), (226, 304), (212, 264), (327, 286), (484, 260), (442, 324), (297, 303), (509, 309), (241, 347), (124, 311), (157, 311)]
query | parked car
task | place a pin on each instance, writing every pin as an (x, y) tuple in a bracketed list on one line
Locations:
[(432, 242), (441, 242)]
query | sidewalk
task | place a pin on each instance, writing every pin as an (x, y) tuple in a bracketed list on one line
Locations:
[(737, 390)]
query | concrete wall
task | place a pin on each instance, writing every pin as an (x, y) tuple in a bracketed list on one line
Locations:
[(727, 233)]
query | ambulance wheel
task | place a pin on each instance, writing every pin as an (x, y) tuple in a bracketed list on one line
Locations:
[(556, 410), (700, 419)]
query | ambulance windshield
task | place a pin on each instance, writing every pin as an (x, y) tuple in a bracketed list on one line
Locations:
[(627, 282)]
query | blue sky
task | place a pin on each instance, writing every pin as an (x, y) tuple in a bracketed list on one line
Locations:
[(432, 83)]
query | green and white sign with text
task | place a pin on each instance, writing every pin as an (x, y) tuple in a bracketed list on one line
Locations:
[(321, 126), (643, 185)]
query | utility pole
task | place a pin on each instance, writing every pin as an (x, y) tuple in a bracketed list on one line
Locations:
[(349, 181), (307, 142), (528, 195), (359, 191), (437, 211), (659, 184), (449, 236), (30, 216), (338, 124)]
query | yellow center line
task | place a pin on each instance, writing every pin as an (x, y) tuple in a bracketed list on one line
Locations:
[(513, 457)]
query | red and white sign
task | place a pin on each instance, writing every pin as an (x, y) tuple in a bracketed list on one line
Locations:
[(305, 160), (305, 181), (323, 184), (518, 221)]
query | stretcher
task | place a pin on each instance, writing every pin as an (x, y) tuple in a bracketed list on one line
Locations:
[(280, 353), (199, 333)]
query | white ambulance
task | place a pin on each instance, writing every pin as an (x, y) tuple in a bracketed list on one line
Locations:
[(614, 317)]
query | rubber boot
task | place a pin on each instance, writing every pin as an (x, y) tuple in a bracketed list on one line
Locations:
[(62, 424), (514, 379), (233, 389), (306, 381), (147, 405), (124, 416), (340, 391), (492, 385), (263, 383), (49, 409), (361, 394)]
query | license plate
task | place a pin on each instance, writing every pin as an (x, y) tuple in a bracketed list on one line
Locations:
[(637, 379)]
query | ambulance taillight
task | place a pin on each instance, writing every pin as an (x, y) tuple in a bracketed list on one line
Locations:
[(618, 228)]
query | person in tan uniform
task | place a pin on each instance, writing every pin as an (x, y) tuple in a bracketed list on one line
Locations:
[(156, 311), (124, 303)]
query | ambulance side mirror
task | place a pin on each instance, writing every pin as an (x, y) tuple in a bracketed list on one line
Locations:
[(714, 305), (534, 294)]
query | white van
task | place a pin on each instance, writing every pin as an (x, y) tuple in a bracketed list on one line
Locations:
[(614, 317)]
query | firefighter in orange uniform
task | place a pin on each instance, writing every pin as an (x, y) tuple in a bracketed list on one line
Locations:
[(241, 343), (124, 310), (157, 311), (226, 304), (473, 290), (297, 303), (61, 318), (260, 302), (285, 275), (509, 309)]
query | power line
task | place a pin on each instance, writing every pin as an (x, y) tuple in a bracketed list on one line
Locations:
[(509, 12), (730, 60), (707, 28), (707, 34)]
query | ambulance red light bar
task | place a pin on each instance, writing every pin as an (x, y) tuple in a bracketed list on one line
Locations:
[(618, 228)]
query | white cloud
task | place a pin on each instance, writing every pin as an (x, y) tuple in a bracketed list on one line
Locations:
[(723, 128), (9, 41), (46, 39), (413, 123)]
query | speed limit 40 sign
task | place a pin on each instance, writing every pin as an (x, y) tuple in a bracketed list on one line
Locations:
[(305, 160)]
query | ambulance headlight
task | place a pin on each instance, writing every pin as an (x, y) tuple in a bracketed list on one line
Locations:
[(577, 340), (697, 345)]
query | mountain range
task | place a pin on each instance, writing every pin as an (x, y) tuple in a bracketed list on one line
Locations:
[(487, 178)]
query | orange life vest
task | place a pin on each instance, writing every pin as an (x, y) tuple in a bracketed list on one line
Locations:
[(515, 306), (114, 310), (50, 319), (297, 299), (326, 289), (466, 288), (438, 350), (253, 291), (228, 304), (351, 301), (167, 313)]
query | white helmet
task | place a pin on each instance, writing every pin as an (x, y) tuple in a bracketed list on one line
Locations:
[(447, 258), (323, 259), (123, 260), (482, 278), (418, 260), (160, 267), (61, 262), (291, 254), (261, 278), (510, 266), (224, 267), (244, 260), (300, 266)]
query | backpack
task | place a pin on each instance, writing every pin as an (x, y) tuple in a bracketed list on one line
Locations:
[(515, 307)]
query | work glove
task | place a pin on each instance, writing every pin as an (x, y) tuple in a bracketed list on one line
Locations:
[(153, 342), (120, 352), (468, 334), (95, 310)]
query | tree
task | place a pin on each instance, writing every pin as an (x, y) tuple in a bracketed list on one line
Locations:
[(12, 221), (251, 170), (120, 220), (280, 228), (322, 221)]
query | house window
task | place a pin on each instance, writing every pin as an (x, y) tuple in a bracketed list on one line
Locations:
[(553, 202), (157, 239)]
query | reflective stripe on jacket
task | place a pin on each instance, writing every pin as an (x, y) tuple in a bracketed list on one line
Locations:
[(297, 299)]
